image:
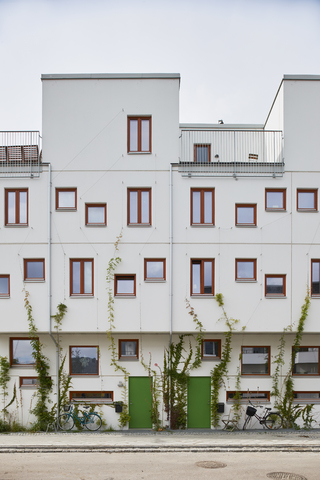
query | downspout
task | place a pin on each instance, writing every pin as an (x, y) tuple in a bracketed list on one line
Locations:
[(170, 277)]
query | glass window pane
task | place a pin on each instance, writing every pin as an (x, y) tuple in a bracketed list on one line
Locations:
[(145, 136), (67, 200), (307, 361), (196, 205), (210, 348), (202, 153), (22, 352), (133, 207), (207, 207), (207, 277), (84, 360), (125, 286), (245, 269), (75, 277), (11, 207), (255, 360), (154, 269), (196, 278), (35, 270), (315, 278), (23, 207), (96, 214), (306, 200), (145, 207), (128, 349), (274, 199), (87, 277), (4, 286), (274, 285), (133, 135), (245, 215)]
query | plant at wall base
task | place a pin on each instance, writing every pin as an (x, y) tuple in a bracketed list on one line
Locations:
[(4, 380), (236, 405), (155, 389)]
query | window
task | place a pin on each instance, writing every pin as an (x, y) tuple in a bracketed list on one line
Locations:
[(246, 214), (210, 349), (256, 397), (128, 349), (96, 214), (21, 351), (202, 153), (125, 285), (246, 269), (91, 397), (16, 206), (139, 206), (4, 286), (255, 361), (34, 269), (275, 285), (202, 206), (306, 397), (84, 360), (307, 200), (275, 199), (139, 134), (30, 381), (66, 199), (202, 277), (81, 276), (154, 269), (306, 361), (315, 278)]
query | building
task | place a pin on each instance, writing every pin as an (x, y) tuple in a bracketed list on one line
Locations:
[(200, 209)]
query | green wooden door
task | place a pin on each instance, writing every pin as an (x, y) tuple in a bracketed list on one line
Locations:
[(139, 402), (199, 395)]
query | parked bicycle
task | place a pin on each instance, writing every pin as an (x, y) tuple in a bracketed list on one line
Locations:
[(271, 420), (91, 420)]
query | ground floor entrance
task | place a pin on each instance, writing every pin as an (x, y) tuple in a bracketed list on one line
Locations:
[(140, 402), (199, 398)]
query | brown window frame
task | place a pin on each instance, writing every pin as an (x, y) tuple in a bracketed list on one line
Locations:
[(124, 277), (155, 279), (202, 206), (91, 400), (82, 281), (201, 262), (139, 118), (211, 357), (295, 350), (314, 261), (308, 190), (306, 400), (70, 363), (284, 199), (256, 374), (66, 209), (5, 295), (34, 260), (195, 152), (246, 260), (138, 190), (246, 205), (257, 398), (275, 295), (95, 205), (128, 357), (17, 192), (34, 385), (11, 352)]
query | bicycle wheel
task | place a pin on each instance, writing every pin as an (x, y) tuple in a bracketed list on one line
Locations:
[(274, 421), (93, 422), (65, 422)]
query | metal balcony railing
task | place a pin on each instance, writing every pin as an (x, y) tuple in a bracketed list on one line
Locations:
[(231, 153), (20, 154)]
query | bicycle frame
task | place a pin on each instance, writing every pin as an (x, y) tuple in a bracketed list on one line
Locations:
[(72, 413)]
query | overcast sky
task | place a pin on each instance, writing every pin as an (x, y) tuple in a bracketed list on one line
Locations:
[(231, 54)]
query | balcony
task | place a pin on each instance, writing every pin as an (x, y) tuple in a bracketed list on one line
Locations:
[(224, 153), (20, 154)]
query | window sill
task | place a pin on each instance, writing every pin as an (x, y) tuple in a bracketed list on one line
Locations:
[(203, 296), (246, 281), (4, 296), (151, 280), (307, 210), (139, 153), (96, 225), (246, 225), (275, 210), (94, 375), (29, 387), (139, 225), (275, 296), (210, 359), (17, 225), (34, 280), (125, 296), (66, 209), (81, 296), (203, 225), (15, 365), (128, 359)]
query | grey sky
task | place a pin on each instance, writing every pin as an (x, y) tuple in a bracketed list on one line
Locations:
[(231, 54)]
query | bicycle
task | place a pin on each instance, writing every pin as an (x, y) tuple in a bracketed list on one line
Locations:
[(92, 421), (271, 420)]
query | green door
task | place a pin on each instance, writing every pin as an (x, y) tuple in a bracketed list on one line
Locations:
[(139, 402), (199, 396)]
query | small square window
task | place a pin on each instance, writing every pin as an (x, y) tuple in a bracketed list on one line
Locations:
[(16, 207), (66, 199), (315, 278), (255, 361), (84, 360), (128, 349), (81, 276), (307, 200), (202, 277), (34, 269), (139, 206), (4, 286), (21, 351), (275, 199), (246, 215), (202, 206), (306, 361), (125, 285), (139, 134), (96, 214), (246, 269), (155, 269), (202, 153), (275, 285), (210, 349)]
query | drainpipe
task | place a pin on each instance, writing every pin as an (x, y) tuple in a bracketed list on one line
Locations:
[(170, 277)]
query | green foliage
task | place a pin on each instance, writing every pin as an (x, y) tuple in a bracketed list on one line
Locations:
[(155, 389), (236, 406), (4, 380)]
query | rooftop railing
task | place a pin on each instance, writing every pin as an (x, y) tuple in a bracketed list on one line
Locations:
[(20, 154)]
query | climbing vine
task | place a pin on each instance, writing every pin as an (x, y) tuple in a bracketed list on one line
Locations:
[(4, 380), (65, 380), (155, 389)]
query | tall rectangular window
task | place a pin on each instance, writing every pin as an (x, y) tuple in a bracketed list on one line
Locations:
[(154, 269), (306, 361), (202, 206), (246, 269), (202, 277), (66, 199), (255, 361), (4, 286), (139, 206), (81, 276), (34, 269), (275, 285), (275, 199), (96, 214), (139, 134), (246, 214), (84, 360), (21, 351), (307, 199), (315, 278), (202, 153), (16, 206)]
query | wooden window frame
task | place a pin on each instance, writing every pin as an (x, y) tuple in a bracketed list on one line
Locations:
[(295, 350), (246, 205), (96, 401), (139, 119), (246, 260), (201, 262), (195, 152), (82, 262), (95, 205), (211, 357), (202, 206), (256, 374), (275, 295), (138, 190), (284, 199), (12, 339), (308, 190), (124, 276), (128, 357), (35, 385), (306, 400), (66, 209), (256, 400), (33, 260), (5, 295), (70, 363), (17, 192), (314, 261), (155, 279)]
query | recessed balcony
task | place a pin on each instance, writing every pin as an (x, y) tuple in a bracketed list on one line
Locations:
[(20, 154)]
